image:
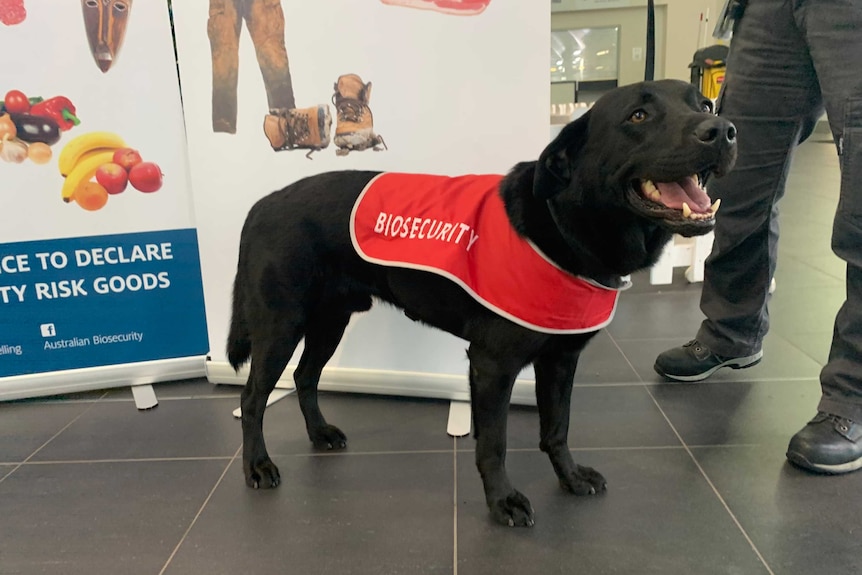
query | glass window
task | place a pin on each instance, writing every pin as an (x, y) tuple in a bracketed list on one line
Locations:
[(585, 54)]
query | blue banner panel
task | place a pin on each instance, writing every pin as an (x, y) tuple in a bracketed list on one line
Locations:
[(101, 300)]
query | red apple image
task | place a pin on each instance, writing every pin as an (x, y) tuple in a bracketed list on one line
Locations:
[(146, 177), (127, 158), (112, 177)]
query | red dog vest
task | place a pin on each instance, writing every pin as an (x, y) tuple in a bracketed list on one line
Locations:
[(457, 228)]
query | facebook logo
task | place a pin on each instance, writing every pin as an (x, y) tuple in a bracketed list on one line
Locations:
[(48, 330)]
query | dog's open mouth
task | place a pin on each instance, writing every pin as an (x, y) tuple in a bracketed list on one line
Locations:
[(684, 199)]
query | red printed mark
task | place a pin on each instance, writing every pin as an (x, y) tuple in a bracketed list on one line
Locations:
[(12, 12)]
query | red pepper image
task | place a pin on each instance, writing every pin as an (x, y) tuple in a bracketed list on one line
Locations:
[(12, 12), (59, 109)]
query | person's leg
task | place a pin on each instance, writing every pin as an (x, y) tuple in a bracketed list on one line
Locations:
[(771, 93), (832, 441), (265, 22), (223, 30)]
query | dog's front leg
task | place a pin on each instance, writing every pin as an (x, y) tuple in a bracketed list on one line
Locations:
[(491, 382), (555, 373)]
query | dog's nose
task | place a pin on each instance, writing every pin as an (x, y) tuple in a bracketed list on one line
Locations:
[(716, 131)]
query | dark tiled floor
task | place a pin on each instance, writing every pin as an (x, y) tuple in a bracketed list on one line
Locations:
[(698, 483)]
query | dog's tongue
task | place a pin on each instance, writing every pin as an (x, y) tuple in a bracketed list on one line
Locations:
[(673, 194)]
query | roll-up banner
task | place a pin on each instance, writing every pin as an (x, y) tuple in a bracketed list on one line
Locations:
[(100, 280), (276, 90)]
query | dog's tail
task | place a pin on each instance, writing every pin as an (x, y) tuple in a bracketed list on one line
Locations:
[(238, 339)]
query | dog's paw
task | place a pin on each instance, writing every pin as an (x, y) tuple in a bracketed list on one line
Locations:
[(513, 510), (328, 438), (584, 481), (262, 475)]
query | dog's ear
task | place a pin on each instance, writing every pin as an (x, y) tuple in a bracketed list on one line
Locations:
[(558, 162)]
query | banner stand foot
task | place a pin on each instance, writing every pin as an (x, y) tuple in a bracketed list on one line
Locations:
[(460, 419), (145, 396)]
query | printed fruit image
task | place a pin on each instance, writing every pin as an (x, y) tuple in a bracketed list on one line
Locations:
[(91, 196), (105, 156), (146, 177), (27, 122), (127, 158), (83, 172), (40, 153), (16, 102), (32, 128), (74, 152), (113, 177)]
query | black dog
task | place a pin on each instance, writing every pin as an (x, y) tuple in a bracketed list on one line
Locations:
[(601, 202)]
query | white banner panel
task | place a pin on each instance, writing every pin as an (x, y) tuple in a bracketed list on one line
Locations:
[(100, 282), (455, 88)]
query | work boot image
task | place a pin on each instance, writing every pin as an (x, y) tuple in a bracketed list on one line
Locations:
[(302, 128), (355, 128)]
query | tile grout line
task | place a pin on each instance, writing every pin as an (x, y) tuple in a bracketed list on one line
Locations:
[(125, 460), (712, 486), (104, 399), (52, 438), (358, 453), (699, 467), (455, 505), (200, 510)]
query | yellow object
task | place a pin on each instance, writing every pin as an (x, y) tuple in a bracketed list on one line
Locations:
[(83, 171), (711, 81), (94, 152), (72, 152)]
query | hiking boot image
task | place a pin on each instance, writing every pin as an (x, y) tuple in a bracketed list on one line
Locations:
[(304, 128), (456, 7), (355, 128)]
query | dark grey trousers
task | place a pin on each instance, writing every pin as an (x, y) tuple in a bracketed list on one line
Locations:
[(789, 60)]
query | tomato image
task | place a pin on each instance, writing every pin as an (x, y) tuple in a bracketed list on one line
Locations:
[(16, 102)]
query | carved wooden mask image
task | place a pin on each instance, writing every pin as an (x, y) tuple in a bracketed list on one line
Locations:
[(105, 22)]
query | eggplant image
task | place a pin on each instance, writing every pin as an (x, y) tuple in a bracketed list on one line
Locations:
[(36, 129)]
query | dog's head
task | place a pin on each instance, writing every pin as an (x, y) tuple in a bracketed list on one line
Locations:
[(648, 148)]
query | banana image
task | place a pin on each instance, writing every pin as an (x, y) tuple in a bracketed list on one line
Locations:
[(83, 171), (73, 153)]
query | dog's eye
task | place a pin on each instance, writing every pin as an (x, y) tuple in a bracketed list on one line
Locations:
[(638, 116), (706, 107)]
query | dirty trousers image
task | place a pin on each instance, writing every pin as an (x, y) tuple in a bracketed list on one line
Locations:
[(265, 22)]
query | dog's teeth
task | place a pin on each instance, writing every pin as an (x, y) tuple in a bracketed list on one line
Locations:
[(686, 211), (651, 191), (715, 205)]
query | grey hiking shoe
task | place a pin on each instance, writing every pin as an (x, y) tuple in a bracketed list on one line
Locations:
[(695, 362), (828, 444)]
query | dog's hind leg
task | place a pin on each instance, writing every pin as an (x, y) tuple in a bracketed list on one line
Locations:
[(555, 373), (272, 348), (324, 332), (491, 381)]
